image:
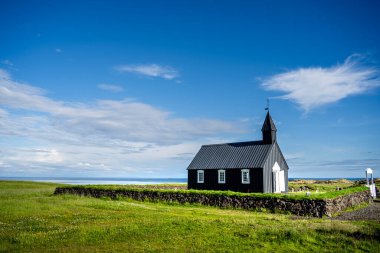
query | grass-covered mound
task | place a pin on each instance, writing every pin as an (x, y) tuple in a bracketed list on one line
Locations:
[(321, 185), (297, 195)]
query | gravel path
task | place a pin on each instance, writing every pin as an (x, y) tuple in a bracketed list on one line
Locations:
[(372, 212)]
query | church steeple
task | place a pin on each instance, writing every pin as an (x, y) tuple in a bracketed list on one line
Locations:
[(269, 130)]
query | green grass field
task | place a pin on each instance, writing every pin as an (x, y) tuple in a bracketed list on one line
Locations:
[(32, 219)]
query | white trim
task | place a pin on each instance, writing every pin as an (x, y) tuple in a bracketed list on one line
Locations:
[(200, 176), (223, 180), (282, 180), (276, 167), (245, 179), (276, 182), (278, 179)]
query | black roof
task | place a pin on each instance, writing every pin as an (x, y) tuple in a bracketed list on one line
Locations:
[(268, 124), (238, 155)]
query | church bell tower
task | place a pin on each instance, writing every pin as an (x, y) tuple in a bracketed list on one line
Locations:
[(269, 130)]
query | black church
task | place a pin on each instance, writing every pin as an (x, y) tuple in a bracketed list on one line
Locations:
[(253, 166)]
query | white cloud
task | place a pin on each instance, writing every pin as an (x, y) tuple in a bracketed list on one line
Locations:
[(316, 86), (126, 119), (49, 156), (151, 70), (41, 135), (58, 50), (110, 87)]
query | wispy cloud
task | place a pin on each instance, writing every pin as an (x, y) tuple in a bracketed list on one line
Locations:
[(110, 87), (58, 50), (350, 168), (316, 86), (151, 70), (127, 119), (40, 134), (7, 62), (358, 163)]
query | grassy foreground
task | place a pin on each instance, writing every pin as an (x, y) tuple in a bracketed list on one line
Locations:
[(32, 219)]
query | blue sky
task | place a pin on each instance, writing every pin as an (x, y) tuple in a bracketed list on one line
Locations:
[(133, 89)]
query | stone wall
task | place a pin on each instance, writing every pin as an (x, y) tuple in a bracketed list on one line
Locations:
[(341, 203), (305, 207)]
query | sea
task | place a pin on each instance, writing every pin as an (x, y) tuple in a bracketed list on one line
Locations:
[(123, 181)]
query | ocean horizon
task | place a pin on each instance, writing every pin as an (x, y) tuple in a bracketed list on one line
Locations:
[(98, 180), (125, 181)]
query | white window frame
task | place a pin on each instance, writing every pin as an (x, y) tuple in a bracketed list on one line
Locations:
[(242, 176), (220, 172), (199, 179)]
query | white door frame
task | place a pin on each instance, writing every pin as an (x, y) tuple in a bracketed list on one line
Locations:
[(278, 179)]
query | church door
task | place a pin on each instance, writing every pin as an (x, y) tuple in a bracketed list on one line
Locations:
[(278, 179)]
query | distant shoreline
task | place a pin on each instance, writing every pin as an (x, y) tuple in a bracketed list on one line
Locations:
[(124, 181)]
